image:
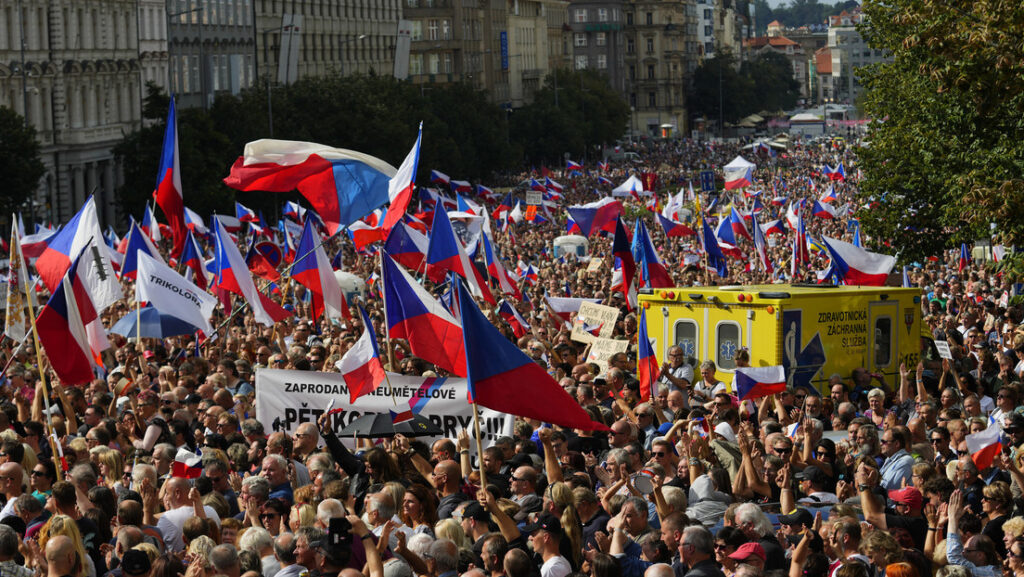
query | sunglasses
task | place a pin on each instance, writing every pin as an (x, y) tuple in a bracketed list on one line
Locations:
[(269, 516), (659, 454)]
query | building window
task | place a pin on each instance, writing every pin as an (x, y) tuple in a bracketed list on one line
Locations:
[(629, 18), (650, 72), (632, 72), (581, 15), (708, 14), (630, 46), (602, 38), (433, 61), (602, 61), (602, 14), (416, 30), (650, 19), (581, 62), (580, 39), (652, 99), (447, 62), (415, 64), (432, 30), (446, 30), (650, 45)]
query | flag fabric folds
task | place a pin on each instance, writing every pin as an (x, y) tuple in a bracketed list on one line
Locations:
[(446, 253), (19, 291), (856, 266), (401, 185), (361, 366), (965, 258), (716, 258), (187, 465), (756, 382), (596, 216), (407, 246), (68, 243), (233, 276), (984, 446), (647, 368), (515, 320), (652, 272), (168, 193), (622, 251), (341, 185), (137, 243), (170, 294), (61, 327), (501, 377), (413, 314), (312, 269), (673, 228)]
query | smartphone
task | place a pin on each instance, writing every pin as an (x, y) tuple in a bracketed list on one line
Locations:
[(339, 531)]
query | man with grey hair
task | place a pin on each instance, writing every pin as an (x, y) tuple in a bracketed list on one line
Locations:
[(259, 541), (224, 559), (255, 492), (275, 470), (8, 550), (758, 528), (697, 551), (443, 558), (252, 430), (659, 570), (307, 539), (328, 509), (141, 472), (284, 550), (163, 460), (127, 537), (305, 441)]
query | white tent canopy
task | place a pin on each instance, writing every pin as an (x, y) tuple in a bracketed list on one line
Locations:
[(632, 184), (739, 164)]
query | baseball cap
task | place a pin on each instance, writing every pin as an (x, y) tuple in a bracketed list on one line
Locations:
[(799, 517), (135, 562), (476, 512), (909, 496), (747, 550), (813, 474), (547, 522)]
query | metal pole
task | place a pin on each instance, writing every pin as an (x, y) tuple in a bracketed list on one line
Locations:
[(24, 72)]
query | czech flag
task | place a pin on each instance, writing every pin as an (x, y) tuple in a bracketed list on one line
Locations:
[(837, 173), (519, 325), (602, 166), (497, 270), (484, 192), (194, 259), (438, 177), (596, 216), (647, 368), (461, 186), (536, 186), (604, 180), (501, 377), (232, 275), (149, 224), (401, 417), (622, 251), (573, 166), (761, 248), (245, 214), (64, 246), (414, 315), (777, 226), (756, 382), (965, 258), (62, 328), (361, 366), (673, 228), (565, 307), (407, 246), (194, 222), (136, 241), (294, 210), (856, 266), (312, 269), (652, 273), (446, 253), (984, 446), (168, 192), (830, 195), (716, 258), (341, 185), (187, 465), (259, 264), (823, 210), (737, 224)]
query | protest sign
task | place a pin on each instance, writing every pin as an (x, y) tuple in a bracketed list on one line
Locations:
[(603, 349), (285, 399), (590, 318)]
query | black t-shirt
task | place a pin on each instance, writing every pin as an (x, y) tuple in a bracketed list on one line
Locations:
[(776, 555), (916, 526), (90, 539)]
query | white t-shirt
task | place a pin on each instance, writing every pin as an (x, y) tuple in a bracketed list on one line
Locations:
[(555, 567), (171, 523)]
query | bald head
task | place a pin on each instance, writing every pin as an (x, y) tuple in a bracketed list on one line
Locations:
[(60, 555), (11, 478)]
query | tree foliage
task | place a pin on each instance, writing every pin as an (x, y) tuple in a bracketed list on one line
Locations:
[(463, 134), (947, 157), (763, 83), (588, 113), (797, 13), (20, 166)]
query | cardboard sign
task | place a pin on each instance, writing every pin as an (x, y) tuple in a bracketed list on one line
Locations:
[(603, 349), (943, 348), (595, 265), (594, 317), (534, 198)]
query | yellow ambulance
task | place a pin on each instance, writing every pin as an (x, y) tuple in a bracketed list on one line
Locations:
[(814, 331)]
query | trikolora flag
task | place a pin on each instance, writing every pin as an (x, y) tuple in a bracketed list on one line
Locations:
[(756, 382), (984, 446), (171, 294)]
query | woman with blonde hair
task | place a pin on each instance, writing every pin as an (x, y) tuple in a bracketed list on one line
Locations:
[(111, 469), (303, 515), (883, 550), (452, 530), (559, 495)]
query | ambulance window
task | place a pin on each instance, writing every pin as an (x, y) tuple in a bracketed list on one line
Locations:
[(686, 339), (883, 341), (728, 341)]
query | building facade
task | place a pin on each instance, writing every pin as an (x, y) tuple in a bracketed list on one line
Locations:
[(849, 51), (211, 49), (71, 67), (599, 40)]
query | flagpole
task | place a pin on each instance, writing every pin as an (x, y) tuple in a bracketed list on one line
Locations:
[(138, 332), (387, 324), (479, 445), (39, 363)]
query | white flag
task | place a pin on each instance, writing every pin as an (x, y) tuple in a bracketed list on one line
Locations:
[(170, 294), (17, 289)]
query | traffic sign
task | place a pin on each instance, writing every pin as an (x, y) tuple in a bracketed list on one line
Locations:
[(707, 181)]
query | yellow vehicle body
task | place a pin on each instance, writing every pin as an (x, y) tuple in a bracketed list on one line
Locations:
[(814, 331)]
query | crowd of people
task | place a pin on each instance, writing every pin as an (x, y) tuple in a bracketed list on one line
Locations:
[(871, 475)]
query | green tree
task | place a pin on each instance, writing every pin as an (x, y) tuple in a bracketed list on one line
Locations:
[(946, 158), (580, 112), (20, 166), (772, 75), (719, 86)]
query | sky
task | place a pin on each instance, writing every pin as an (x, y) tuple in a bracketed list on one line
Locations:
[(777, 3)]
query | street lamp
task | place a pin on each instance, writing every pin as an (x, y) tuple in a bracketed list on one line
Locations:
[(341, 59)]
